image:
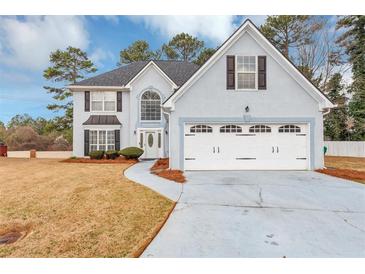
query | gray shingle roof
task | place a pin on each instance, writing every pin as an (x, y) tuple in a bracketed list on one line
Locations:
[(177, 71), (102, 120)]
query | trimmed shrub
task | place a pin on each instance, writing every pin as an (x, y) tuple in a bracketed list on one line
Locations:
[(97, 154), (131, 152), (112, 154)]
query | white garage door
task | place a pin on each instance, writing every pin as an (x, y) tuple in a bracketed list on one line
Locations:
[(246, 146)]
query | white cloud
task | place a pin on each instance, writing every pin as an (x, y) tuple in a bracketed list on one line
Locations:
[(112, 19), (214, 28), (99, 55), (27, 42)]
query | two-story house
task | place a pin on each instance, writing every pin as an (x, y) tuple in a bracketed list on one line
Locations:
[(247, 107)]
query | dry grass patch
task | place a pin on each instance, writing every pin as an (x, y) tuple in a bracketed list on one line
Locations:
[(73, 210), (355, 163), (119, 160), (351, 168)]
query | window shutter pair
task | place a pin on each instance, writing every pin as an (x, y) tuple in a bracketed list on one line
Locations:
[(119, 101), (231, 72)]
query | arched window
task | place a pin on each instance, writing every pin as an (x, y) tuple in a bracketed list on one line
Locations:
[(259, 128), (201, 129), (230, 129), (289, 128), (150, 106)]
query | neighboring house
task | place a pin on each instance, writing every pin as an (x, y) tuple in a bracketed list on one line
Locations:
[(247, 107)]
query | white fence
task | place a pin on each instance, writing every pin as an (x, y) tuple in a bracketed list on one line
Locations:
[(41, 154), (344, 148)]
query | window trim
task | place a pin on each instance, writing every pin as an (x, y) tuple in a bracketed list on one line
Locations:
[(97, 139), (140, 106), (103, 102), (256, 73)]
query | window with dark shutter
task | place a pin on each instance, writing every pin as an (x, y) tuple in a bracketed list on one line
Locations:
[(119, 101), (87, 100), (231, 72), (261, 72), (86, 142)]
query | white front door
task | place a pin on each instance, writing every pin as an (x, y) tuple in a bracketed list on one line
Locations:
[(246, 146), (150, 140)]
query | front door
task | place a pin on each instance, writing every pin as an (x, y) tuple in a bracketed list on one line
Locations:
[(150, 144)]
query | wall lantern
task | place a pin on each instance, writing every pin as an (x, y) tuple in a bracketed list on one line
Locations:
[(247, 109)]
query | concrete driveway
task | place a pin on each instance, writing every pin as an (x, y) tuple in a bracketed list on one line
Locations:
[(264, 214)]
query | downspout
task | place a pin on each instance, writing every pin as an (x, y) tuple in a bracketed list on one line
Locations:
[(168, 114)]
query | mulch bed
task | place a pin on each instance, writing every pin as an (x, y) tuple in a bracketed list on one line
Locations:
[(349, 174), (162, 163), (119, 160), (160, 168)]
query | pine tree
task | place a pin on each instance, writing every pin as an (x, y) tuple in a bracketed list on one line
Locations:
[(138, 51), (353, 40), (335, 123), (183, 47), (68, 67)]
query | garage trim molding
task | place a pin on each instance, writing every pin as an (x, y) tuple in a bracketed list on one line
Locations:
[(247, 119)]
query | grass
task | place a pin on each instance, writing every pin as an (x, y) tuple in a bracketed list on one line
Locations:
[(75, 210), (351, 168)]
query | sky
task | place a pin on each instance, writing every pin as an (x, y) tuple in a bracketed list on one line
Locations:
[(27, 41)]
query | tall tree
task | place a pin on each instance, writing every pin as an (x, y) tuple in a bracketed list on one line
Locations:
[(183, 47), (353, 40), (67, 67), (336, 122), (2, 132), (204, 56), (286, 31), (21, 120), (320, 56), (138, 51)]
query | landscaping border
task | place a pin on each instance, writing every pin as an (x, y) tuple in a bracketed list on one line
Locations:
[(148, 241)]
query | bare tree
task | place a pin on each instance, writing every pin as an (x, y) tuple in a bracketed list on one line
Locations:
[(321, 57)]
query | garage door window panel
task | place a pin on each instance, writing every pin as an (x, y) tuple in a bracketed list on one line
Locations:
[(230, 129), (201, 129), (260, 129), (289, 129)]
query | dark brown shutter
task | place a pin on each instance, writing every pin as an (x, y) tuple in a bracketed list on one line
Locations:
[(117, 139), (119, 101), (86, 142), (262, 72), (87, 100), (231, 72)]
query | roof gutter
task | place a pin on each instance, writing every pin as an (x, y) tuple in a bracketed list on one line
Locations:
[(107, 88)]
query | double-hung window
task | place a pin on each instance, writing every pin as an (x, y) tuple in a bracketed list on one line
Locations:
[(246, 72), (102, 140), (103, 101)]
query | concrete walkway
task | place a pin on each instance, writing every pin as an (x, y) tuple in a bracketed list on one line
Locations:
[(262, 214), (140, 173)]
